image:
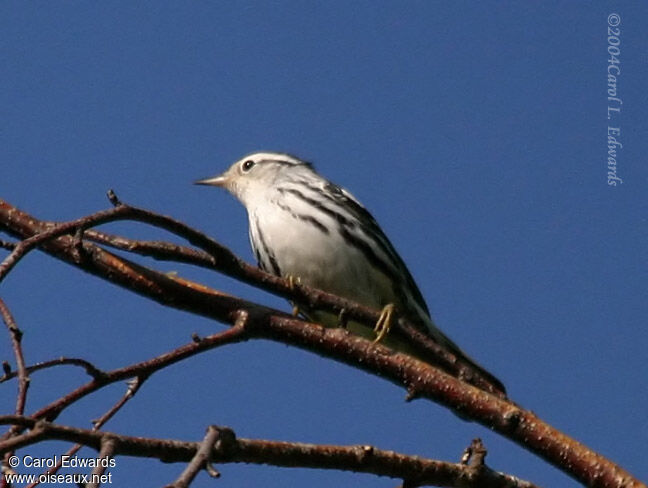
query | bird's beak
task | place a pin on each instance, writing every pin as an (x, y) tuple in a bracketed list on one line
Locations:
[(219, 180)]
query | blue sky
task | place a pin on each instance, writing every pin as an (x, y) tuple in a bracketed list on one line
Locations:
[(476, 133)]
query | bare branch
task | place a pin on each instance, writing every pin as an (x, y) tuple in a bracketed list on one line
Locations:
[(23, 377), (133, 386), (16, 337), (227, 448), (421, 379), (26, 245), (90, 368), (107, 451), (222, 259), (200, 460), (143, 369)]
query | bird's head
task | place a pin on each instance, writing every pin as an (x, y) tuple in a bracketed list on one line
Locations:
[(251, 177)]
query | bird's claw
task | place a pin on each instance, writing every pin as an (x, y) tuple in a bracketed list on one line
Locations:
[(384, 322), (293, 281)]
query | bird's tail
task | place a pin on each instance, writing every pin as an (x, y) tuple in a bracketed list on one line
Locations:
[(426, 343), (469, 369)]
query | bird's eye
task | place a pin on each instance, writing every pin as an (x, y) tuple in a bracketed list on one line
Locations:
[(247, 165)]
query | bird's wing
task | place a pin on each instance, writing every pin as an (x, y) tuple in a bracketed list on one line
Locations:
[(363, 229)]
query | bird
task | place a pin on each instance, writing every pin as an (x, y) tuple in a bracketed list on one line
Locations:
[(305, 228)]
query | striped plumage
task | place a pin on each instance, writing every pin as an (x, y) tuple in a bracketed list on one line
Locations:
[(304, 226)]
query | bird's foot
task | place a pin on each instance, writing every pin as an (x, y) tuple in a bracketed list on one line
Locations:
[(293, 283), (384, 322), (342, 319)]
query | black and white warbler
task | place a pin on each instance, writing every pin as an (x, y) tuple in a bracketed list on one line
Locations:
[(305, 227)]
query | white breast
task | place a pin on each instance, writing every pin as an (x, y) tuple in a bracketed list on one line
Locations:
[(302, 249)]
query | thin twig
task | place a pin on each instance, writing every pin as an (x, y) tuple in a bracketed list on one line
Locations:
[(143, 369), (200, 459), (16, 337), (133, 387), (23, 378), (90, 368), (106, 452)]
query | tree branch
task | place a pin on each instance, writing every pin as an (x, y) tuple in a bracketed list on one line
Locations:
[(107, 451), (222, 446), (16, 337), (143, 370), (510, 420), (90, 368), (201, 459), (222, 259), (133, 386), (23, 377)]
